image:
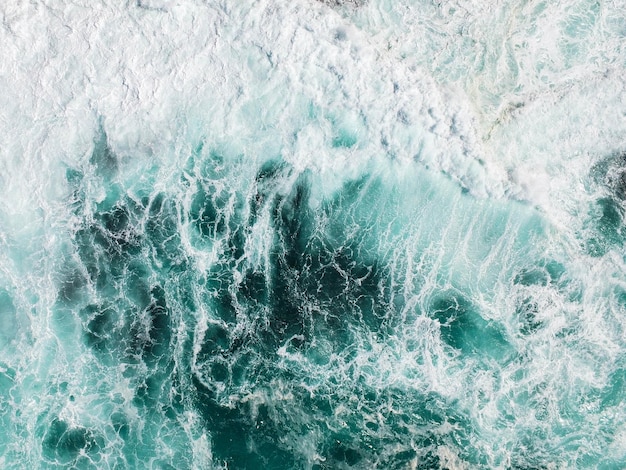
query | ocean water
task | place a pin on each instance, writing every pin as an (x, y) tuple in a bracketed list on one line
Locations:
[(294, 234)]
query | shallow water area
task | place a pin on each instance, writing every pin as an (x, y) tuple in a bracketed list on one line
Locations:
[(317, 235)]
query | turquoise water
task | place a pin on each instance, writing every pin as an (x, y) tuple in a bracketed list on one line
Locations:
[(313, 235)]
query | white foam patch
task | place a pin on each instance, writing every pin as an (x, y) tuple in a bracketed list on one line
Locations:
[(135, 70)]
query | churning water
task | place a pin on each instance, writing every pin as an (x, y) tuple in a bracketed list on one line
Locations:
[(296, 234)]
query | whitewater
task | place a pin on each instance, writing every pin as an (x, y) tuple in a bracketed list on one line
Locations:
[(295, 234)]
